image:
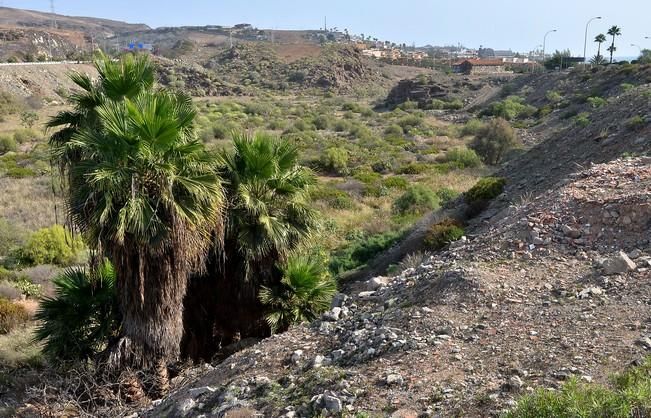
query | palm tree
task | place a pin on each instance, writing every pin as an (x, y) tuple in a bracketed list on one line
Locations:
[(614, 31), (143, 189), (305, 291), (268, 217), (82, 317), (600, 39)]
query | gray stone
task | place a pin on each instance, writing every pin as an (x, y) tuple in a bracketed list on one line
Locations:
[(617, 264), (332, 315), (296, 356), (331, 403), (644, 342), (634, 254), (394, 379), (570, 232), (338, 300), (366, 295)]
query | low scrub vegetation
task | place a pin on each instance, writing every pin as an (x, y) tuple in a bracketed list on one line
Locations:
[(443, 233), (494, 140), (480, 195), (416, 200), (628, 395), (12, 315), (513, 107)]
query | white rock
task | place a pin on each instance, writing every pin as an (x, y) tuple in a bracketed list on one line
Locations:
[(196, 392), (394, 379), (296, 356), (377, 283), (620, 263)]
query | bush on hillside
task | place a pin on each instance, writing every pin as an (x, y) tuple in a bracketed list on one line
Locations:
[(362, 249), (463, 157), (636, 123), (335, 159), (394, 130), (494, 140), (445, 195), (416, 200), (471, 127), (480, 195), (7, 144), (12, 315), (53, 245), (443, 233), (333, 197), (512, 107), (628, 395)]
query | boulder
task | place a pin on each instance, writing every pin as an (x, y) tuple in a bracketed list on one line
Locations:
[(618, 264)]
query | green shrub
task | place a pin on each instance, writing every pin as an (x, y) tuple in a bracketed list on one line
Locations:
[(554, 96), (83, 315), (395, 182), (628, 395), (53, 245), (394, 130), (361, 250), (463, 157), (28, 118), (26, 287), (636, 123), (342, 125), (627, 86), (23, 135), (582, 119), (443, 233), (410, 121), (334, 198), (545, 110), (494, 140), (20, 172), (511, 108), (414, 168), (596, 102), (367, 177), (322, 122), (416, 200), (12, 315), (408, 105), (471, 127), (445, 195), (305, 291), (7, 144), (480, 195), (336, 160), (487, 188)]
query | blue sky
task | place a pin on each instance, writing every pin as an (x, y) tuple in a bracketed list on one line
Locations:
[(501, 24)]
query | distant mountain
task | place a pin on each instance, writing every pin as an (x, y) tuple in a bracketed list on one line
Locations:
[(89, 25)]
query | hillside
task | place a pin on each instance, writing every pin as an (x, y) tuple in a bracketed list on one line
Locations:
[(550, 284), (91, 25)]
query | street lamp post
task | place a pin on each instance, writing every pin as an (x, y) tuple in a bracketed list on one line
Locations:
[(545, 44), (585, 40)]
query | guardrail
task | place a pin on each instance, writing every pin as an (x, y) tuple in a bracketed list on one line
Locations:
[(15, 64)]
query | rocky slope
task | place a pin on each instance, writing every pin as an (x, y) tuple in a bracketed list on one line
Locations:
[(552, 281)]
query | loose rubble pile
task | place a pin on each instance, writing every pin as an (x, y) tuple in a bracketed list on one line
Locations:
[(536, 297)]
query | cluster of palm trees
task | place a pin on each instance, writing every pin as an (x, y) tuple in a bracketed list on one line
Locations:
[(194, 236), (614, 31)]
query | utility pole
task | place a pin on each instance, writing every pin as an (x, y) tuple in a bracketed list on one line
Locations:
[(54, 18), (325, 23)]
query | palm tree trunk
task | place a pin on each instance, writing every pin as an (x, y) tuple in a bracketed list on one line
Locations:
[(612, 50), (599, 50), (151, 286)]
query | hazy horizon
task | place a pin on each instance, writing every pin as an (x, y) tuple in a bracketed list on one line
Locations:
[(512, 24)]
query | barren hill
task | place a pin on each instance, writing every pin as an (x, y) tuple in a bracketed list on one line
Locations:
[(34, 19)]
